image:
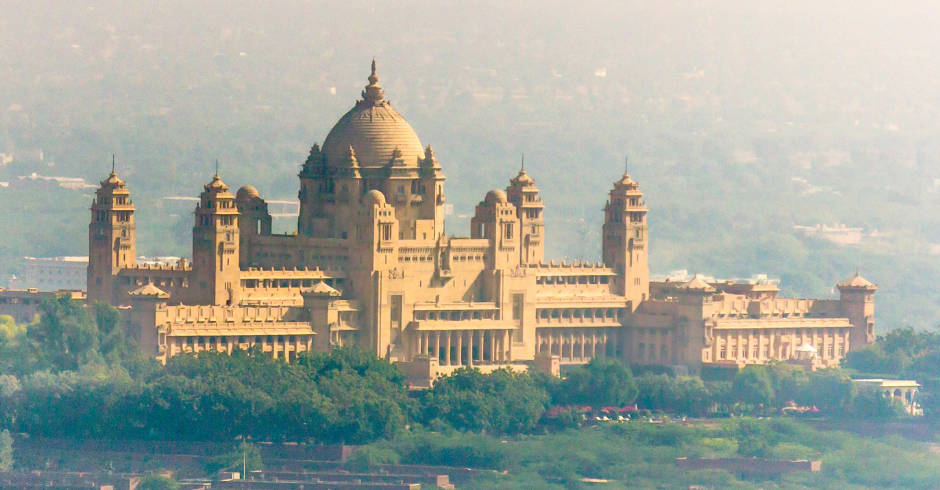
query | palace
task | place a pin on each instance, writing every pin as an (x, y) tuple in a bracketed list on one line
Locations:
[(370, 265)]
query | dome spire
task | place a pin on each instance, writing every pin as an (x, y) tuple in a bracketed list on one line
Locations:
[(373, 92)]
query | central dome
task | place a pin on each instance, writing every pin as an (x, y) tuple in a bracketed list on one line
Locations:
[(374, 130)]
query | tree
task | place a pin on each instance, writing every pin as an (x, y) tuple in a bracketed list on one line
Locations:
[(600, 383), (753, 386), (874, 359), (503, 401), (872, 404), (65, 334), (244, 459), (157, 482), (829, 389), (112, 340)]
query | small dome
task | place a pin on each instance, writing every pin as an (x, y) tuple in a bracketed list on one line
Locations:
[(374, 197), (496, 196), (857, 282), (246, 193), (523, 178)]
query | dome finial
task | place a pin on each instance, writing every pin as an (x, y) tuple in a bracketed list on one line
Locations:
[(373, 91)]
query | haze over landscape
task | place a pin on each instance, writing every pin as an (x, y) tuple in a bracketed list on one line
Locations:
[(741, 120), (795, 140)]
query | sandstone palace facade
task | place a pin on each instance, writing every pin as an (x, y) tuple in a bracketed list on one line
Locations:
[(370, 265)]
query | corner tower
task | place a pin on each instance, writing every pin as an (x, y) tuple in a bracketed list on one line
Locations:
[(112, 237), (523, 193), (625, 240), (857, 296), (495, 220), (254, 221), (215, 246)]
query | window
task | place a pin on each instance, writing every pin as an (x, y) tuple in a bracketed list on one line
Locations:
[(641, 351), (734, 352), (722, 353), (663, 353)]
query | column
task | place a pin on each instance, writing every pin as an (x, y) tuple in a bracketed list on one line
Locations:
[(582, 344), (470, 347), (276, 343), (460, 348), (507, 345), (437, 345), (593, 344), (493, 356), (500, 355), (447, 352)]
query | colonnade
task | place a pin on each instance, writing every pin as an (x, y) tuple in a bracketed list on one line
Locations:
[(573, 344), (464, 347), (906, 395), (278, 346), (766, 344)]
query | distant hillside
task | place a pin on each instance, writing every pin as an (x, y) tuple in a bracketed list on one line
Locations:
[(741, 119)]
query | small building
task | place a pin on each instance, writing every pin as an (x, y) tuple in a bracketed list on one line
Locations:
[(53, 273), (23, 304), (902, 389)]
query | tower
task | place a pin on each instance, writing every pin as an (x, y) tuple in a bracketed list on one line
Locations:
[(348, 190), (430, 189), (857, 297), (112, 237), (625, 240), (495, 219), (254, 220), (215, 246), (523, 193)]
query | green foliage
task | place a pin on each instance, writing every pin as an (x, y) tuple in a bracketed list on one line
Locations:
[(502, 402), (451, 449), (157, 482), (753, 385), (873, 359), (641, 455), (366, 458), (600, 383), (244, 459), (113, 343), (66, 335), (828, 389), (214, 397), (788, 451), (686, 395), (874, 405)]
